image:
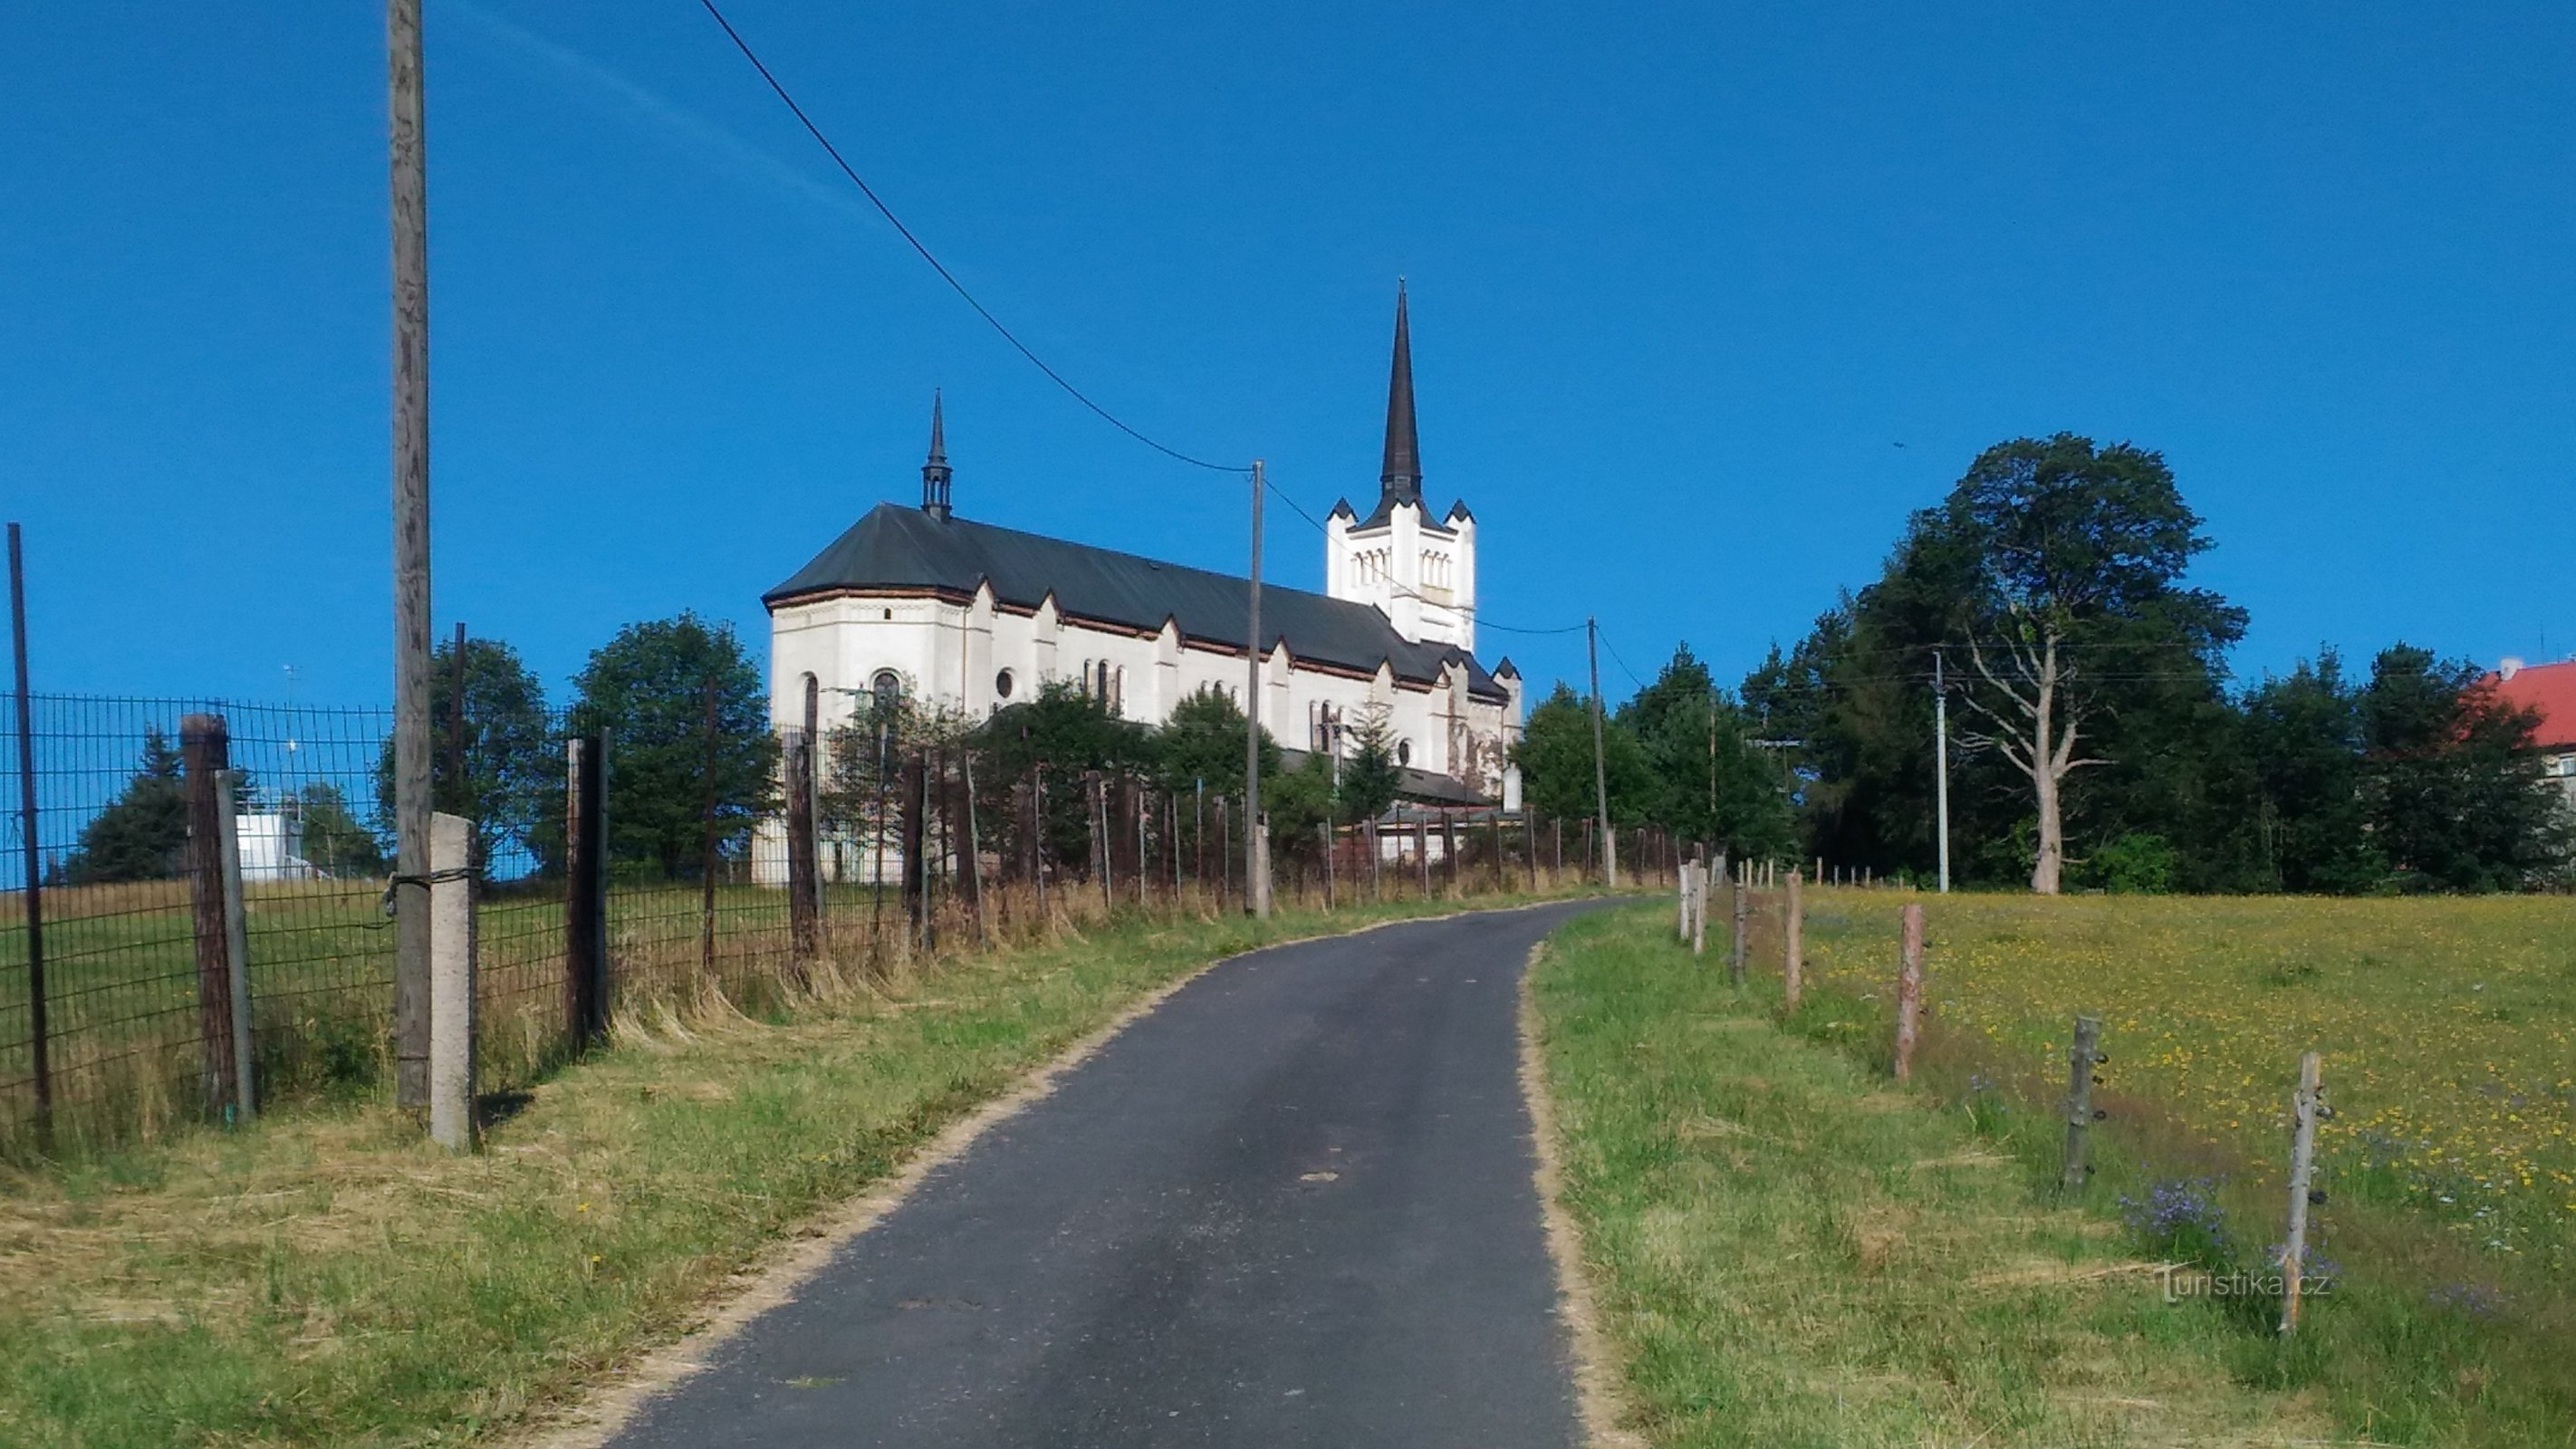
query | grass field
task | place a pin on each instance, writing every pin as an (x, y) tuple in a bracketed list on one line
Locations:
[(2448, 1222), (327, 1277)]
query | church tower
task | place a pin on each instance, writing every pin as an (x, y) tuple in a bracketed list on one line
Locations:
[(935, 474), (1420, 574)]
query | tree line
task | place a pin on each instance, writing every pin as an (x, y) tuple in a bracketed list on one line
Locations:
[(2096, 741)]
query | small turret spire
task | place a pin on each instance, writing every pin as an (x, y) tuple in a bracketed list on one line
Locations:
[(934, 469), (1401, 482)]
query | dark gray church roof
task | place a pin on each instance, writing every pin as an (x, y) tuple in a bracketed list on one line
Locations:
[(895, 547)]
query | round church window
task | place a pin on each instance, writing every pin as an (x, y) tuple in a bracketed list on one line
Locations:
[(1002, 685)]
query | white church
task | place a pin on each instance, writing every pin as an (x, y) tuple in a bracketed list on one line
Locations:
[(966, 616)]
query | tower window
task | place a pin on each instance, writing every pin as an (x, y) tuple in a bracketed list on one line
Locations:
[(887, 688), (1404, 752)]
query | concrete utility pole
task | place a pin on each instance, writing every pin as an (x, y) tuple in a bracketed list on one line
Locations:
[(411, 551), (1941, 763), (1600, 766), (1256, 861)]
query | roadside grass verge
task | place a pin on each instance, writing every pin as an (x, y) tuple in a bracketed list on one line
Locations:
[(326, 1277), (1786, 1251)]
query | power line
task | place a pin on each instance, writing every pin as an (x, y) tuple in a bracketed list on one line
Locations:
[(1622, 663), (945, 275)]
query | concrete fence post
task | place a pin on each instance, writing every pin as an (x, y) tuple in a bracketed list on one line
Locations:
[(1793, 945), (1743, 903), (236, 947), (451, 982)]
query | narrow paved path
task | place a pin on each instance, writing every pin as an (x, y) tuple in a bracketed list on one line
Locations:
[(1293, 1206)]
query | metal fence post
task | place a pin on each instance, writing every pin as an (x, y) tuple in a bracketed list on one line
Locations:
[(586, 889), (204, 747), (40, 1048)]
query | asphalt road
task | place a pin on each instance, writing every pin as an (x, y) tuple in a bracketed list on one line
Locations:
[(1293, 1206)]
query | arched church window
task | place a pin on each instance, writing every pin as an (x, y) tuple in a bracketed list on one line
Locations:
[(1404, 752), (886, 689), (1002, 685)]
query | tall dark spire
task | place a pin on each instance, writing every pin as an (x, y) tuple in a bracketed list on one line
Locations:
[(934, 469), (1402, 480)]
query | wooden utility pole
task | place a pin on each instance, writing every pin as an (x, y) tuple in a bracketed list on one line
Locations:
[(1256, 862), (1600, 766), (409, 145)]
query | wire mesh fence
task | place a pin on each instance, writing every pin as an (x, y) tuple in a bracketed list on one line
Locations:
[(127, 958)]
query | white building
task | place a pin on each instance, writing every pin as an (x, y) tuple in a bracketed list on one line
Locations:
[(272, 848), (966, 616)]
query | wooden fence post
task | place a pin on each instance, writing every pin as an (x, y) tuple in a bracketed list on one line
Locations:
[(1377, 889), (1327, 830), (1909, 990), (585, 891), (1793, 949), (1224, 855), (1422, 852), (1449, 845), (451, 982), (1556, 870), (804, 876), (205, 749), (2304, 1107), (2081, 1058), (707, 857), (914, 842), (974, 848), (1529, 845)]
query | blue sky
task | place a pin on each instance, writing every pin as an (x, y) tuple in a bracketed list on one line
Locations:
[(1683, 279)]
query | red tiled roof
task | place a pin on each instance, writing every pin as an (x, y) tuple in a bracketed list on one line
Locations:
[(2550, 689)]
